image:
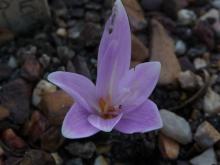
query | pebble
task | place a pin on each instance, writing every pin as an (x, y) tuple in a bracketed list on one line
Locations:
[(15, 96), (62, 32), (4, 113), (211, 102), (211, 14), (76, 161), (186, 17), (85, 150), (188, 80), (180, 47), (100, 160), (75, 31), (199, 63), (55, 105), (58, 160), (176, 127), (151, 5), (12, 140), (206, 158), (206, 135), (31, 69), (216, 4), (168, 147), (45, 60), (65, 53), (12, 62), (41, 88)]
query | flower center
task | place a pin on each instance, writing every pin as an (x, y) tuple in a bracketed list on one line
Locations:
[(106, 110)]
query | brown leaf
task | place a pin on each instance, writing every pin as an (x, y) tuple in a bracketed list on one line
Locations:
[(135, 14), (162, 50), (139, 51)]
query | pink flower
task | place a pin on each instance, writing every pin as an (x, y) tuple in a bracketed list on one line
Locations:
[(120, 98)]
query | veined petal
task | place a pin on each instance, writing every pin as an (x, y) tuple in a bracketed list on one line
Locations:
[(77, 86), (143, 119), (104, 124), (112, 64), (137, 85), (76, 125)]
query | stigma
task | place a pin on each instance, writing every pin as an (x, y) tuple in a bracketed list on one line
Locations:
[(106, 110)]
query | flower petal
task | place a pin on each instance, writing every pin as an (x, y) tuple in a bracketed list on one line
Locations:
[(143, 119), (77, 86), (137, 85), (76, 125), (104, 124), (114, 51)]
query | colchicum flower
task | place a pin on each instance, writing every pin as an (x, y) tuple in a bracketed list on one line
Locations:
[(120, 98)]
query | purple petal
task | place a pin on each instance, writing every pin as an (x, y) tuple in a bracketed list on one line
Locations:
[(77, 86), (76, 125), (143, 119), (104, 124), (114, 51), (137, 85)]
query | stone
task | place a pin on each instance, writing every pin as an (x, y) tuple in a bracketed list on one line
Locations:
[(171, 7), (93, 31), (31, 69), (205, 33), (82, 67), (15, 96), (206, 135), (92, 16), (65, 53), (55, 106), (12, 62), (211, 14), (180, 47), (76, 161), (85, 150), (135, 14), (188, 80), (139, 51), (151, 5), (5, 72), (34, 157), (36, 126), (4, 113), (100, 160), (168, 147), (58, 160), (52, 139), (6, 35), (12, 140), (176, 127), (162, 50), (77, 13), (22, 16), (186, 17), (211, 102), (62, 32), (208, 157), (199, 63), (93, 6), (42, 88), (216, 4), (75, 31), (45, 60)]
